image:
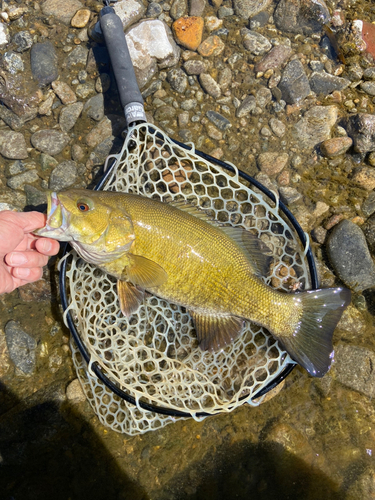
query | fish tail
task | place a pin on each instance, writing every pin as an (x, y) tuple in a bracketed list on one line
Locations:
[(310, 341)]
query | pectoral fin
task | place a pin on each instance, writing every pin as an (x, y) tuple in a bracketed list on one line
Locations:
[(145, 272), (216, 332), (130, 297)]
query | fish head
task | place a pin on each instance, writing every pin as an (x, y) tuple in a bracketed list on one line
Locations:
[(91, 218)]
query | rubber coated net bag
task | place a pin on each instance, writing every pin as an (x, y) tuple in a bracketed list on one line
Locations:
[(154, 356)]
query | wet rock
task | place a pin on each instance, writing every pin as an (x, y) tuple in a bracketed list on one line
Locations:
[(94, 107), (274, 59), (129, 11), (272, 163), (259, 20), (13, 62), (74, 392), (189, 104), (218, 120), (294, 84), (319, 234), (164, 113), (13, 145), (212, 23), (364, 177), (80, 18), (246, 107), (225, 78), (39, 290), (103, 83), (315, 126), (47, 162), (4, 35), (277, 127), (178, 9), (18, 181), (62, 10), (195, 67), (64, 92), (188, 31), (350, 257), (69, 116), (361, 128), (352, 323), (353, 367), (23, 40), (368, 207), (83, 90), (196, 7), (369, 231), (363, 486), (336, 146), (369, 73), (301, 16), (154, 87), (154, 10), (43, 59), (77, 57), (324, 83), (212, 46), (21, 347), (109, 125), (177, 79), (210, 85), (225, 11), (63, 176), (151, 46), (368, 87), (110, 145), (17, 167), (255, 43), (50, 141), (34, 196), (289, 195), (249, 8), (263, 97)]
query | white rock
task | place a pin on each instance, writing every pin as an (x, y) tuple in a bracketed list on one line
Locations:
[(129, 11), (74, 391), (4, 35)]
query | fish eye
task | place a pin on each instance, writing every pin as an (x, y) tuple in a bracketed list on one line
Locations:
[(83, 207)]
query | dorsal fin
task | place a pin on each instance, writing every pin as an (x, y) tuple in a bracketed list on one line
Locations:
[(199, 213), (257, 252)]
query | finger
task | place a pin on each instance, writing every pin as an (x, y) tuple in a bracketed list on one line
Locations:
[(47, 246), (26, 259), (27, 221), (27, 274)]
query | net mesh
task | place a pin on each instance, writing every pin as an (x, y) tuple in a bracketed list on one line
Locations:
[(154, 356)]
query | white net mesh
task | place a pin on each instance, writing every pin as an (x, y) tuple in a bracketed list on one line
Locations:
[(154, 356)]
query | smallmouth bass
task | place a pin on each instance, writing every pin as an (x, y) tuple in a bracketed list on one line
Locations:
[(177, 253)]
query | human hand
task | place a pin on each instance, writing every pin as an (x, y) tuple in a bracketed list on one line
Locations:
[(22, 254)]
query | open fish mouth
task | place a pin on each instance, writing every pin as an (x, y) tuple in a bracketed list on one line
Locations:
[(57, 220)]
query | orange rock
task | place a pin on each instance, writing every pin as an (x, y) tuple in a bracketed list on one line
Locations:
[(188, 31), (212, 46)]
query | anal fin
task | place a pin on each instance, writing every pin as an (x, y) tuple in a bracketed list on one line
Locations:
[(130, 297), (215, 332)]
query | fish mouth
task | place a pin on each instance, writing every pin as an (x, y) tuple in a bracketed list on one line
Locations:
[(57, 220)]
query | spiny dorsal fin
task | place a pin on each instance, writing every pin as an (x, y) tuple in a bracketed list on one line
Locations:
[(258, 252), (145, 272), (187, 206), (130, 297), (215, 332)]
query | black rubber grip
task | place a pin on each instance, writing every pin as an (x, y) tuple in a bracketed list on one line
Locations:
[(130, 95)]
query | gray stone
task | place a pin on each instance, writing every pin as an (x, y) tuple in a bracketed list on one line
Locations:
[(369, 73), (315, 126), (11, 118), (218, 120), (13, 62), (13, 146), (23, 40), (34, 197), (289, 195), (18, 181), (110, 145), (164, 113), (154, 87), (47, 162), (274, 59), (263, 97), (369, 230), (195, 67), (361, 128), (15, 168), (324, 83), (178, 9), (63, 176), (189, 104), (225, 78), (255, 43), (62, 10), (277, 127), (77, 153), (301, 16), (94, 107), (83, 90), (154, 10), (196, 7), (294, 84), (50, 141), (353, 367), (259, 20), (355, 72), (69, 115), (350, 257), (272, 163), (43, 59), (225, 12), (129, 11), (103, 83), (249, 8), (368, 207), (209, 85), (246, 107), (368, 87), (21, 347), (177, 79), (77, 57)]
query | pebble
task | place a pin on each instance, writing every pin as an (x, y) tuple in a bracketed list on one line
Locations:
[(212, 46), (361, 128), (277, 56), (294, 84), (336, 146), (13, 145), (13, 62), (94, 107), (63, 176), (210, 85), (289, 195), (23, 40), (74, 392), (369, 231), (21, 347), (247, 106), (78, 56), (46, 106), (350, 257), (50, 141), (103, 149), (177, 79), (368, 87), (43, 59), (164, 113), (315, 126), (4, 35), (80, 18), (319, 234), (47, 162), (189, 104), (263, 97), (64, 92), (324, 83), (103, 83), (129, 11), (34, 197), (255, 43), (213, 132), (195, 67), (188, 31), (61, 10), (197, 7), (18, 181), (364, 177), (277, 127), (83, 90), (353, 368), (249, 8), (369, 73), (69, 116), (217, 119), (212, 23), (272, 163), (225, 12), (368, 207), (154, 9), (259, 20), (301, 17)]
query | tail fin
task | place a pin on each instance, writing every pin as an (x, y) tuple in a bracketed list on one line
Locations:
[(311, 342)]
